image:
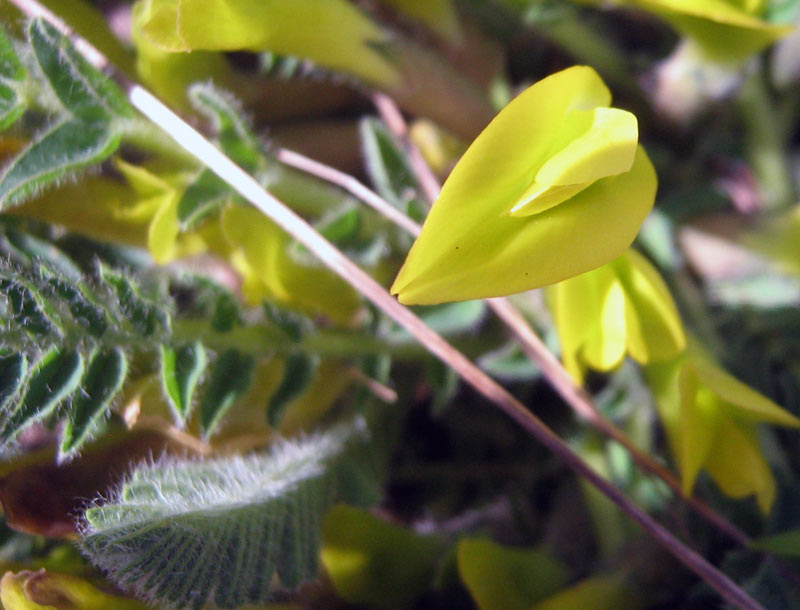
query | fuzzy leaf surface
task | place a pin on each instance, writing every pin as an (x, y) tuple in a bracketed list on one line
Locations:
[(232, 376), (54, 377), (184, 534), (60, 151), (103, 381), (181, 369), (11, 69), (83, 90)]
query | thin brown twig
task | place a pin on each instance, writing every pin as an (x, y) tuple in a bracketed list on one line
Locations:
[(192, 141)]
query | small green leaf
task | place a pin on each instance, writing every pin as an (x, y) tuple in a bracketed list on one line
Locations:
[(386, 164), (785, 543), (11, 67), (11, 107), (181, 369), (43, 253), (299, 372), (29, 309), (503, 578), (509, 363), (63, 149), (55, 377), (233, 132), (101, 384), (86, 311), (85, 92), (144, 315), (232, 376), (13, 369), (206, 194)]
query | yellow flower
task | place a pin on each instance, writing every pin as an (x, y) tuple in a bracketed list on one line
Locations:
[(555, 186), (711, 422), (621, 308), (726, 30)]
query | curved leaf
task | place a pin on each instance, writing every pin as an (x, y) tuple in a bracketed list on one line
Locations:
[(85, 91), (181, 369), (232, 375), (54, 378), (104, 378), (66, 147)]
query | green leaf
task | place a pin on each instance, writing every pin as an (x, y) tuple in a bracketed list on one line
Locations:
[(785, 543), (11, 69), (387, 165), (375, 563), (60, 151), (13, 369), (181, 369), (606, 592), (83, 90), (42, 253), (298, 373), (86, 310), (28, 308), (235, 136), (232, 376), (560, 203), (225, 532), (144, 315), (334, 33), (11, 107), (101, 384), (503, 578), (509, 363), (206, 194), (55, 377)]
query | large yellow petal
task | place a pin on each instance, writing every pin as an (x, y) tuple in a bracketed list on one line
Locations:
[(466, 253)]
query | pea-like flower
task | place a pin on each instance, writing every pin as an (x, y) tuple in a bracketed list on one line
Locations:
[(726, 30), (711, 421), (621, 308), (555, 186)]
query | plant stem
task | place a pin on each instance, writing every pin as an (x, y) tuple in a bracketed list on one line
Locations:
[(766, 142), (251, 190)]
